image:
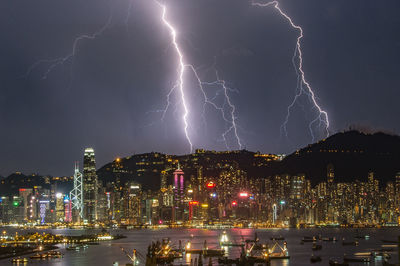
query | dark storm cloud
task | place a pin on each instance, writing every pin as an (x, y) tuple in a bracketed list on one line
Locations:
[(110, 95)]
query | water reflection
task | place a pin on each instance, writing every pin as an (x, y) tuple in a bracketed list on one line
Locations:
[(108, 252)]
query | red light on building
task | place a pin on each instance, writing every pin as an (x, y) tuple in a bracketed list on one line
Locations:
[(22, 189), (211, 184), (243, 194), (191, 204), (234, 203)]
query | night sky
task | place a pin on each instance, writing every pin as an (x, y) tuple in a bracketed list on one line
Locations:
[(111, 93)]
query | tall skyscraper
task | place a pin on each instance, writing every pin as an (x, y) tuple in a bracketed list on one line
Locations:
[(90, 186), (179, 183)]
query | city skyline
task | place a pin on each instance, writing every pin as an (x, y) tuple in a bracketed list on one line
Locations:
[(232, 196), (96, 99)]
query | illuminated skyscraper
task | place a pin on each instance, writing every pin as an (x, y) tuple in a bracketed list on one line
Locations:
[(90, 186), (60, 207), (179, 195)]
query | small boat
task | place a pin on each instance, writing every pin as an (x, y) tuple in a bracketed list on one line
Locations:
[(278, 256), (350, 243), (356, 259), (73, 247), (329, 239), (309, 239), (363, 254), (362, 237), (277, 238), (54, 254), (333, 262), (19, 260), (37, 256), (314, 259), (316, 247)]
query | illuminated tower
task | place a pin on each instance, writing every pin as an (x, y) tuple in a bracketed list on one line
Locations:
[(75, 200), (60, 207), (89, 186), (179, 182), (163, 183)]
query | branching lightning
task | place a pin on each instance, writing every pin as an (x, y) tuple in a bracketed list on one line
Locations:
[(227, 101), (52, 64), (181, 73), (180, 86), (322, 114), (227, 109)]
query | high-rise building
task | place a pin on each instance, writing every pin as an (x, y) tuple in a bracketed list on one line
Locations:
[(60, 212), (163, 183), (132, 203), (179, 183), (90, 186), (26, 194)]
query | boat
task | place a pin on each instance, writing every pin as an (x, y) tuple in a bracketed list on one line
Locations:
[(314, 259), (309, 239), (19, 260), (278, 256), (362, 237), (277, 238), (54, 254), (224, 241), (334, 262), (316, 247), (329, 239), (76, 247), (363, 254), (349, 243), (359, 236), (278, 252), (37, 256), (356, 259)]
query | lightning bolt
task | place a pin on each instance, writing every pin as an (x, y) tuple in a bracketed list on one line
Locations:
[(227, 100), (181, 72), (180, 86), (322, 116), (52, 64)]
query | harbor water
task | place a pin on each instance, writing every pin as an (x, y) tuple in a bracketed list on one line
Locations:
[(109, 252)]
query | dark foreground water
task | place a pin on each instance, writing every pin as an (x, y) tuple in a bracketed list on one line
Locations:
[(109, 252)]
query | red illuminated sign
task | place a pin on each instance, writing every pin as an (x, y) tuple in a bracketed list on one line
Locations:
[(22, 189), (243, 194), (211, 184), (234, 203), (193, 203)]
